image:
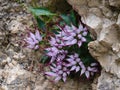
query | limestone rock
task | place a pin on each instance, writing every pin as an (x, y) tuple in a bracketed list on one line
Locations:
[(110, 35), (94, 3), (108, 81), (103, 17), (78, 2), (14, 26), (115, 3), (118, 20), (92, 21)]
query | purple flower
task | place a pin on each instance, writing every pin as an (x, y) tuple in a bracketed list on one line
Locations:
[(69, 36), (81, 39), (90, 70), (55, 54), (81, 33), (52, 51), (33, 40), (58, 70), (62, 64), (74, 62), (58, 73)]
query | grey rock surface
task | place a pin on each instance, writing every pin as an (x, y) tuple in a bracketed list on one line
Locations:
[(102, 16)]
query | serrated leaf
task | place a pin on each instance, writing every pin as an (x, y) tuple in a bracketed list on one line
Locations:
[(41, 12)]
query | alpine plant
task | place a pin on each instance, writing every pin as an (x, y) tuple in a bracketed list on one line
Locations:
[(33, 40), (63, 62), (69, 36)]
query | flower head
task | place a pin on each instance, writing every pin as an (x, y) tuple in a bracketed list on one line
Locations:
[(89, 70), (58, 69), (74, 62), (52, 51), (33, 40), (69, 35)]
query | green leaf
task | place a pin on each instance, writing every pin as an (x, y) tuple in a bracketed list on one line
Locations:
[(66, 19), (88, 37), (44, 59), (41, 12), (40, 23), (73, 18)]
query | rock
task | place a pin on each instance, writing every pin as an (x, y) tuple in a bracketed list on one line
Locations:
[(78, 2), (15, 78), (118, 20), (96, 11), (115, 3), (14, 26), (92, 21), (94, 3), (109, 35), (107, 12), (96, 46), (103, 17), (108, 81), (107, 22)]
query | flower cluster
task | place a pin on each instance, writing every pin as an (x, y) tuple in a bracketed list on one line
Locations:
[(69, 36), (62, 62), (76, 64), (33, 40), (64, 51), (58, 67)]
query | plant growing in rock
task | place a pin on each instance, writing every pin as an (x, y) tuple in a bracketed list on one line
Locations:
[(65, 42)]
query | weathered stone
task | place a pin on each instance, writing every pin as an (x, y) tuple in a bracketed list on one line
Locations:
[(110, 35), (96, 49), (15, 26), (78, 2), (107, 22), (92, 21), (118, 20), (96, 11), (115, 3), (94, 3), (108, 81), (103, 16), (106, 11), (83, 9)]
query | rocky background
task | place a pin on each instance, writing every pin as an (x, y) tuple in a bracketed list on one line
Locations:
[(103, 18)]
